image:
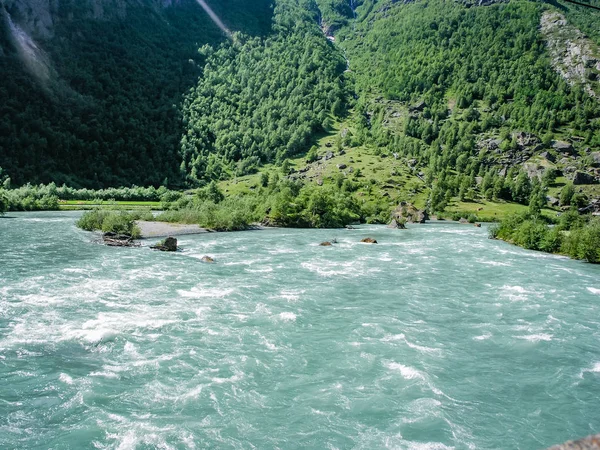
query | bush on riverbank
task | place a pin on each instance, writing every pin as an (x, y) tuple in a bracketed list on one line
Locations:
[(31, 197), (574, 235), (3, 202), (24, 199), (281, 203), (231, 214), (120, 222)]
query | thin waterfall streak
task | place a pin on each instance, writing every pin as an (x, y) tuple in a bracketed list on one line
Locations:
[(218, 22)]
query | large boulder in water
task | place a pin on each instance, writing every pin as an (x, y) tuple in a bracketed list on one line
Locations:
[(118, 240), (407, 213), (369, 240), (166, 245)]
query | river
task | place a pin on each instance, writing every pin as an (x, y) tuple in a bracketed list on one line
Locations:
[(434, 338)]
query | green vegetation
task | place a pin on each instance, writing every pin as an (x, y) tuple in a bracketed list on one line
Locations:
[(280, 203), (119, 222), (3, 202), (110, 113), (261, 100), (574, 235)]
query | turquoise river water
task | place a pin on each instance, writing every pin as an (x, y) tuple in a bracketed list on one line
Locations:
[(434, 338)]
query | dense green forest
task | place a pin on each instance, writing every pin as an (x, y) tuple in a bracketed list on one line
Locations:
[(110, 112), (262, 100)]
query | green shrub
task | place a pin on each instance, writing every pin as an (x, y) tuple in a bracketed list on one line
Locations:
[(120, 222), (584, 243), (3, 202), (92, 220)]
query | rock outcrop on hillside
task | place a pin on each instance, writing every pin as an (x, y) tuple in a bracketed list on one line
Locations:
[(574, 56), (407, 213)]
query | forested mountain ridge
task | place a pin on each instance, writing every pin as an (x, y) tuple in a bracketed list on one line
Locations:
[(262, 100), (464, 97), (93, 96)]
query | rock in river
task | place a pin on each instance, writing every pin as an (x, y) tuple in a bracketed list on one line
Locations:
[(397, 225), (166, 245), (369, 240)]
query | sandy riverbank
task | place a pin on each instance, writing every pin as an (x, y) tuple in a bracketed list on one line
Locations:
[(161, 229)]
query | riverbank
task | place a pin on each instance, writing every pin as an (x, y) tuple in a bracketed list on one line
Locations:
[(153, 229)]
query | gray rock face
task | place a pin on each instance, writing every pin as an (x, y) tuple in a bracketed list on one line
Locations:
[(407, 213), (573, 55), (583, 178), (563, 147), (548, 156), (595, 158)]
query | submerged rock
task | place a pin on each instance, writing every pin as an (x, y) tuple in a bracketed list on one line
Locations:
[(369, 240), (325, 244), (166, 245), (207, 259), (118, 240)]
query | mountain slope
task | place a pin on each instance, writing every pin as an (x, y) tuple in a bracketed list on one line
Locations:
[(92, 97), (262, 100)]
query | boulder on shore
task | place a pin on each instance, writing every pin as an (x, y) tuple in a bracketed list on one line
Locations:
[(369, 240), (166, 245), (397, 225), (407, 213)]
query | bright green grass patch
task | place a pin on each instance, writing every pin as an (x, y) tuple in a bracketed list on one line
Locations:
[(74, 205), (491, 211)]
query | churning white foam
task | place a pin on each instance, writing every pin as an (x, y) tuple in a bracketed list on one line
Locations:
[(536, 337), (408, 373), (205, 292), (482, 337), (287, 316), (594, 290), (65, 378), (594, 369)]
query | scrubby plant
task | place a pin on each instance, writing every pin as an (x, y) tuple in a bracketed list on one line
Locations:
[(120, 222)]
